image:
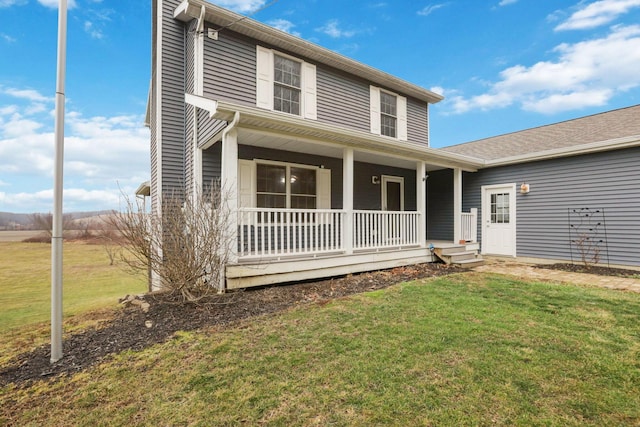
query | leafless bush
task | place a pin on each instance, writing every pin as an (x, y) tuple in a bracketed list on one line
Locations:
[(44, 222), (186, 248), (589, 249)]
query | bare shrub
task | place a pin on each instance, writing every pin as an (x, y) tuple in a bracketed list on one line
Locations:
[(589, 249), (186, 247), (44, 222)]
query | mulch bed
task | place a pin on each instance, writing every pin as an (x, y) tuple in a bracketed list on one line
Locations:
[(594, 269), (132, 329)]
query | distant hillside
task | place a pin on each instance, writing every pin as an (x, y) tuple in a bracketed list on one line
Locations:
[(20, 221)]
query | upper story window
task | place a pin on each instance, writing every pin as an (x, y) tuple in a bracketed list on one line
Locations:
[(388, 114), (285, 84)]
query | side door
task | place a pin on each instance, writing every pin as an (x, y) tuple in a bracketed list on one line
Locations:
[(499, 219)]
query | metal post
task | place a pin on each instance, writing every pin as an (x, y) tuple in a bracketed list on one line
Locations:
[(57, 231)]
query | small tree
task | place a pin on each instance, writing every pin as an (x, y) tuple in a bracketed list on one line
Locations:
[(186, 247), (44, 222)]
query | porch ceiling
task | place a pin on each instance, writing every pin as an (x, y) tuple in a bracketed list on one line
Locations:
[(280, 131)]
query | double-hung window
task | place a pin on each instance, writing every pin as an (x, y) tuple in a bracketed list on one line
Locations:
[(285, 84), (388, 114)]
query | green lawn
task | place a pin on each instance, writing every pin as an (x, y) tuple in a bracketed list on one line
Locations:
[(469, 349), (89, 283)]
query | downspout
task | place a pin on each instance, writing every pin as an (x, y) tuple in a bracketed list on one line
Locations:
[(198, 65)]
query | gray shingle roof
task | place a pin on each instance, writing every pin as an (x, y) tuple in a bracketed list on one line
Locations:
[(606, 126)]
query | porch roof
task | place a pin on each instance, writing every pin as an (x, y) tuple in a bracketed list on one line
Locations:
[(259, 121)]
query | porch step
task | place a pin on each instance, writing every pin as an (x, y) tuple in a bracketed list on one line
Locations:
[(458, 255)]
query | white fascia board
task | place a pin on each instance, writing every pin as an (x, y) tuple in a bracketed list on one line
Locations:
[(357, 139), (593, 147), (203, 103), (190, 9), (147, 113)]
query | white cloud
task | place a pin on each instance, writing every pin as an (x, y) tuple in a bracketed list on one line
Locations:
[(507, 2), (93, 32), (587, 73), (596, 14), (331, 28), (243, 6), (101, 154), (29, 94), (284, 25), (53, 4), (438, 89), (9, 3), (429, 9), (7, 38)]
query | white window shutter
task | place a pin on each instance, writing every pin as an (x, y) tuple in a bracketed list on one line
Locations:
[(246, 183), (401, 110), (323, 188), (310, 91), (375, 109), (264, 78)]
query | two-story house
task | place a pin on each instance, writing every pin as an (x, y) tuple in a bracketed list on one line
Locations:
[(326, 159)]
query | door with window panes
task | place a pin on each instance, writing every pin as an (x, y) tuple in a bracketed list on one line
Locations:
[(499, 220)]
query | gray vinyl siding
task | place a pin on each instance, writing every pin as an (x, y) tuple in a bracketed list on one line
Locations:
[(172, 73), (248, 152), (417, 123), (342, 99), (211, 165), (609, 181), (208, 127), (230, 68), (440, 205), (368, 196)]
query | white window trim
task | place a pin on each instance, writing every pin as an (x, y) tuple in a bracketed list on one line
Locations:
[(390, 178), (265, 81), (401, 113), (249, 190)]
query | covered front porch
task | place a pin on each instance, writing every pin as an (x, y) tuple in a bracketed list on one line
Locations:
[(313, 200)]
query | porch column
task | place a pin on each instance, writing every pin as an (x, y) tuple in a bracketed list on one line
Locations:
[(457, 204), (347, 198), (229, 188), (421, 202)]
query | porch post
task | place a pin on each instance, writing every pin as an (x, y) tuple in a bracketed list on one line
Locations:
[(457, 204), (421, 202), (229, 188), (347, 198)]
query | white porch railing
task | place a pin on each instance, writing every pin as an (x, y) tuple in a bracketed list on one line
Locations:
[(285, 232), (383, 229), (280, 232), (469, 225)]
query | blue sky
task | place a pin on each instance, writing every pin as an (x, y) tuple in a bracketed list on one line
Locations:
[(502, 65)]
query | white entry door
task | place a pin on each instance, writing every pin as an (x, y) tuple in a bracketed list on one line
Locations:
[(499, 219)]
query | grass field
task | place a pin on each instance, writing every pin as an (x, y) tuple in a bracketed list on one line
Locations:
[(89, 284), (469, 349)]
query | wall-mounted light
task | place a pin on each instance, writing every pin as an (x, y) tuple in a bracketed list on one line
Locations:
[(524, 188), (375, 180)]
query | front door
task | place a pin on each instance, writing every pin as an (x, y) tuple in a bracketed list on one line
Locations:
[(499, 219), (392, 193)]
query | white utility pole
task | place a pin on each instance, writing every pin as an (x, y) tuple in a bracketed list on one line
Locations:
[(56, 235)]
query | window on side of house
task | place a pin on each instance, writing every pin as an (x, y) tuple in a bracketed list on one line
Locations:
[(285, 186), (285, 84), (388, 114)]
